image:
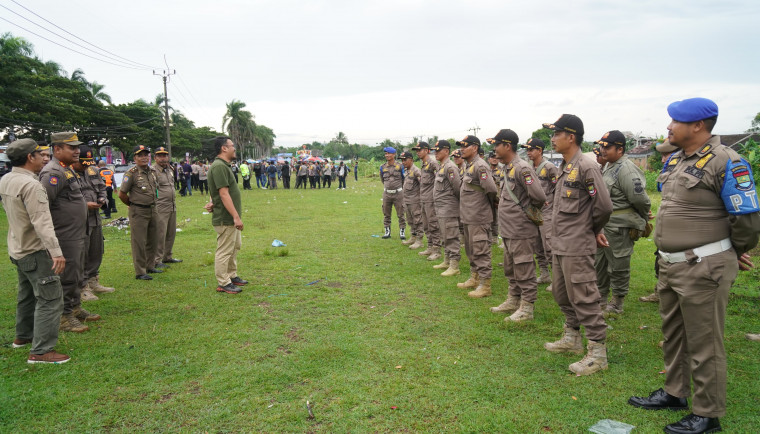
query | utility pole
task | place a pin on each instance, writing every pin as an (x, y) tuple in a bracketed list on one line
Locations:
[(165, 76), (474, 129)]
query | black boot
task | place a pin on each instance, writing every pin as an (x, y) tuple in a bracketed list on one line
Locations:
[(387, 232), (693, 424)]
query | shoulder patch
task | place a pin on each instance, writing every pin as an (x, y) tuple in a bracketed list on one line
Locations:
[(91, 171), (528, 177), (554, 179), (705, 149), (638, 187), (702, 161), (591, 187), (484, 175), (126, 178), (53, 180)]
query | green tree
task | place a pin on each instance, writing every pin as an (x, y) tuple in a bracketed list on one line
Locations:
[(755, 125), (545, 134), (239, 125)]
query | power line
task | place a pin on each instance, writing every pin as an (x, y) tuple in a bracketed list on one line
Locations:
[(199, 105), (89, 43)]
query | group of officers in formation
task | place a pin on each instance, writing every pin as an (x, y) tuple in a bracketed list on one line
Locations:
[(586, 216)]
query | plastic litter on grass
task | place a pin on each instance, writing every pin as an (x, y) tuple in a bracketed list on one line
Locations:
[(609, 426)]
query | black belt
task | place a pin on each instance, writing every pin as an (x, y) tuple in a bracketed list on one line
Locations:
[(141, 206)]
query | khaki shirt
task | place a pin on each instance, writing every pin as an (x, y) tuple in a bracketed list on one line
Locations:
[(391, 176), (166, 195), (448, 183), (477, 193), (547, 177), (93, 190), (303, 170), (627, 186), (67, 205), (692, 212), (412, 185), (498, 176), (521, 180), (30, 226), (429, 167), (582, 207), (141, 185)]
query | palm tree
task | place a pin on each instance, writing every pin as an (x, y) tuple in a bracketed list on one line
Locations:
[(264, 139), (78, 75), (340, 138), (97, 91), (239, 125)]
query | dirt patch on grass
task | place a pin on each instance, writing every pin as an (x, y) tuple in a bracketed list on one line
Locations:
[(165, 397), (293, 335)]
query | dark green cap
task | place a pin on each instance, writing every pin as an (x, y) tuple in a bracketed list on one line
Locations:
[(21, 148)]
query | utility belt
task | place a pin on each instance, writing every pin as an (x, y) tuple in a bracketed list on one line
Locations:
[(139, 205), (696, 253), (391, 191), (628, 210)]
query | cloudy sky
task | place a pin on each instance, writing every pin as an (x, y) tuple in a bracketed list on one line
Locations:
[(402, 68)]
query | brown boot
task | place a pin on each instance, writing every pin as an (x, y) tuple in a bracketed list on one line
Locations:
[(453, 269), (97, 287), (569, 343), (594, 361), (525, 313), (443, 265), (472, 282), (510, 305), (83, 315), (545, 276), (416, 244), (753, 337), (483, 289), (549, 288), (651, 298), (427, 251), (87, 295), (410, 241), (435, 254), (614, 307), (70, 323)]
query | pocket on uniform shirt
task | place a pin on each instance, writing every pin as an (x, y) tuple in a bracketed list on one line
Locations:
[(569, 202), (688, 181), (50, 288)]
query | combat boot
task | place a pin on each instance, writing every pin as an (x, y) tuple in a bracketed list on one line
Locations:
[(387, 232), (435, 254), (70, 323), (87, 295), (753, 337), (83, 315), (96, 286), (472, 282), (453, 269), (410, 241), (594, 361), (483, 289), (416, 244), (545, 277), (525, 313), (443, 265), (569, 343), (402, 233), (510, 305), (549, 287), (651, 298), (615, 306), (427, 251)]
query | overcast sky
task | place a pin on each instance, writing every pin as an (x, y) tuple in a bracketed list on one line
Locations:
[(402, 68)]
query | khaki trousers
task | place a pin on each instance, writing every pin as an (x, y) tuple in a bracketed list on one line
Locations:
[(71, 278), (142, 224), (414, 217), (477, 245), (228, 243), (389, 201), (450, 237), (430, 224), (94, 249), (166, 231), (613, 264), (693, 298), (519, 269), (574, 289), (39, 303)]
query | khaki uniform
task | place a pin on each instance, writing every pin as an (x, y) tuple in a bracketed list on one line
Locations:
[(93, 190), (393, 194), (141, 185), (412, 204), (582, 207), (69, 213), (476, 195), (448, 183), (694, 293), (430, 221), (166, 209), (31, 243), (498, 179), (630, 209), (547, 178), (518, 232)]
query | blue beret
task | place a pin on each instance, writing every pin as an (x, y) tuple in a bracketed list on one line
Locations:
[(389, 150), (692, 110)]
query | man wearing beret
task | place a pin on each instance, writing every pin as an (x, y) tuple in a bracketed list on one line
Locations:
[(706, 223), (412, 205), (547, 179), (630, 211), (519, 193), (69, 211), (94, 192), (429, 218), (477, 193), (36, 253), (392, 177), (582, 207), (448, 183), (166, 210), (138, 191)]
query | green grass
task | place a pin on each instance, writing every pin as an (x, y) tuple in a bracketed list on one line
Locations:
[(380, 342)]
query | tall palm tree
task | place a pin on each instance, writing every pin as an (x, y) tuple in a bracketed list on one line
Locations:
[(239, 125), (78, 75), (340, 138), (97, 91), (264, 139)]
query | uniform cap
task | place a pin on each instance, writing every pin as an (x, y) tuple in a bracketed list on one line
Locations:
[(456, 153), (161, 150), (469, 140), (611, 138), (507, 137), (21, 148), (421, 145), (407, 154), (140, 148), (85, 155), (569, 123), (42, 145), (692, 110), (442, 144), (389, 150), (66, 137), (665, 147), (481, 151), (597, 152), (534, 144)]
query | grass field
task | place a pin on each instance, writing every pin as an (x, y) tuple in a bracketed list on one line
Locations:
[(362, 328)]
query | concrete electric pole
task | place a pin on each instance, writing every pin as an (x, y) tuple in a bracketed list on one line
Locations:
[(165, 76)]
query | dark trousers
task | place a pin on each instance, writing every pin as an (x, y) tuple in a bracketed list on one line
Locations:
[(247, 183), (203, 185), (110, 205), (286, 181), (327, 180), (71, 278), (195, 179), (341, 182)]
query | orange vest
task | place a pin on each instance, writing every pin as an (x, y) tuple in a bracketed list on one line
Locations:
[(107, 175)]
